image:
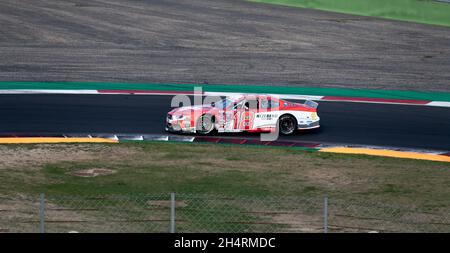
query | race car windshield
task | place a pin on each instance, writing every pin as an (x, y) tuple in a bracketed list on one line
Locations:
[(224, 103)]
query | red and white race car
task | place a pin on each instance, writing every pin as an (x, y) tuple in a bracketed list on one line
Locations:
[(246, 113)]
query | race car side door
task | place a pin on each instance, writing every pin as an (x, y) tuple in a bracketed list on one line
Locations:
[(244, 115)]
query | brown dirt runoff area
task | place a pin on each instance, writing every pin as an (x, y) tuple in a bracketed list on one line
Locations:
[(219, 42), (31, 157)]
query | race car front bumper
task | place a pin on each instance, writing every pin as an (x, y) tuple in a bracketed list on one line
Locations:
[(176, 126), (177, 129), (312, 125)]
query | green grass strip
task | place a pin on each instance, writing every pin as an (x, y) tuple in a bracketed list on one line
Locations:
[(224, 144), (420, 11), (364, 93)]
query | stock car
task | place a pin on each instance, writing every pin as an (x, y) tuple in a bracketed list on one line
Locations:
[(245, 113)]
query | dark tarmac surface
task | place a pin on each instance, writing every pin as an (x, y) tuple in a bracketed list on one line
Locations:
[(217, 41), (420, 127)]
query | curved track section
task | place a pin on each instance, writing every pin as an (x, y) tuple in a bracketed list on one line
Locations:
[(347, 123)]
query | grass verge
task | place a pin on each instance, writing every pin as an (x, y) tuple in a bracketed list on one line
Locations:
[(241, 181), (427, 12)]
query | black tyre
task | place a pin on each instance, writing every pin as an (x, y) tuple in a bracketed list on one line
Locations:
[(205, 124), (287, 124)]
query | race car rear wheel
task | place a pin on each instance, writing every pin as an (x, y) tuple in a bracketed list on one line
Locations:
[(287, 124), (205, 124)]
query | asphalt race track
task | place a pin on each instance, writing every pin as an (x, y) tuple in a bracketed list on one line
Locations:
[(420, 127), (218, 42)]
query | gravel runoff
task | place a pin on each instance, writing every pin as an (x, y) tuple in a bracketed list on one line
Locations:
[(217, 42)]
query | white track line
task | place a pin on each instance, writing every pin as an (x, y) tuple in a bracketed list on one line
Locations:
[(49, 92), (320, 98), (282, 96), (439, 103)]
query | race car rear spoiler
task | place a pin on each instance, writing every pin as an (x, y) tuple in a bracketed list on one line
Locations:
[(311, 104)]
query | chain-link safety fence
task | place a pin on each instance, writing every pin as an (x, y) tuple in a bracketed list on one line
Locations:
[(178, 213)]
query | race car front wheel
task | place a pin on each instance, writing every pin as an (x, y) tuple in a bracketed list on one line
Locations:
[(205, 124), (287, 124)]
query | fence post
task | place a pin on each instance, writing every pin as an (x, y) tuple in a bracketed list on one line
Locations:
[(172, 212), (42, 213), (325, 214)]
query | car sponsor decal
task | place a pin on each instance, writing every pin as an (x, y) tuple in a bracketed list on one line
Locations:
[(269, 116)]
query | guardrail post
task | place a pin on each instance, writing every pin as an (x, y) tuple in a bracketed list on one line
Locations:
[(172, 212), (42, 213), (325, 214)]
